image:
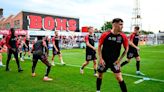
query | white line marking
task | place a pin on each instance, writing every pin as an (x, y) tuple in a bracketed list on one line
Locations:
[(138, 81), (125, 74)]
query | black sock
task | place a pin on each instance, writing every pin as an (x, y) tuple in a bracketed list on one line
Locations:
[(124, 63), (138, 65), (95, 71), (98, 84), (48, 70), (18, 64), (82, 67), (20, 55), (123, 86)]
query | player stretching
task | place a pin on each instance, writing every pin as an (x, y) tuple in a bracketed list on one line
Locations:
[(109, 51), (133, 50), (38, 53)]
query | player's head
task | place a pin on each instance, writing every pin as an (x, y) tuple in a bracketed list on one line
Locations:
[(56, 33), (12, 30), (117, 24), (136, 29), (90, 30)]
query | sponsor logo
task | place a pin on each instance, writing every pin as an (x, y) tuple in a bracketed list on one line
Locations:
[(119, 38), (51, 23)]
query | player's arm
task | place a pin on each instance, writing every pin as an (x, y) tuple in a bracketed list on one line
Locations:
[(126, 48), (133, 45), (53, 42), (44, 43), (131, 42), (101, 41), (88, 44), (32, 49)]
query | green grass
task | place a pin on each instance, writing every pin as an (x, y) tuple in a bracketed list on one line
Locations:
[(68, 79)]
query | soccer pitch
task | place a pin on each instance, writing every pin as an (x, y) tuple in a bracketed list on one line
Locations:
[(68, 78)]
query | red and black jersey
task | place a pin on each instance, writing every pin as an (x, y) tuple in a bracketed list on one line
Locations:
[(56, 40), (38, 46), (90, 39), (112, 46), (12, 41), (134, 37)]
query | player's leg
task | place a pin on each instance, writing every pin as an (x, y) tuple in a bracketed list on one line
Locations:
[(130, 55), (20, 55), (17, 60), (29, 52), (45, 61), (101, 69), (25, 51), (1, 64), (138, 63), (121, 82), (138, 66), (118, 76), (83, 66), (60, 58), (9, 53), (53, 56), (34, 61), (99, 81), (87, 59), (95, 68), (125, 62), (52, 60)]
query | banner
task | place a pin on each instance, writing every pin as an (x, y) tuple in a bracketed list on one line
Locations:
[(46, 22)]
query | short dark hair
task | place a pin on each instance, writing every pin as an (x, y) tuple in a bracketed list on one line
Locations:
[(137, 27), (116, 20)]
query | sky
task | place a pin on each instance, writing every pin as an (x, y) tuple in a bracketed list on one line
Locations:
[(94, 12)]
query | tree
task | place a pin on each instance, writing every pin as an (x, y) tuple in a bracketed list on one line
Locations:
[(146, 32), (126, 32), (107, 26)]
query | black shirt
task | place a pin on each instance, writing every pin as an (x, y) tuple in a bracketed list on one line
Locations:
[(13, 41), (112, 46), (90, 39)]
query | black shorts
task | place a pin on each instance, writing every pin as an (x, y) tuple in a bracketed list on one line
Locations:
[(26, 48), (54, 52), (132, 53), (90, 56), (113, 68), (42, 57)]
